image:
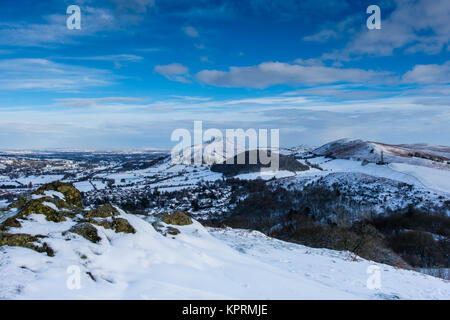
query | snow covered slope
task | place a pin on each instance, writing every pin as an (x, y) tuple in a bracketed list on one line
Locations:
[(422, 177), (186, 262), (234, 264), (213, 151), (417, 154), (334, 269), (431, 178)]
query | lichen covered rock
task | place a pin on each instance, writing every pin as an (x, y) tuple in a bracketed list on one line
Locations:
[(11, 222), (87, 231), (26, 241), (172, 231), (104, 211), (165, 230), (58, 207), (19, 203), (176, 218), (72, 195), (54, 209), (116, 224), (37, 206), (122, 225), (157, 226)]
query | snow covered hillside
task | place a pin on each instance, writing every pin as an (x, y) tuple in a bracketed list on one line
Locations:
[(393, 185), (417, 154), (124, 256), (217, 150)]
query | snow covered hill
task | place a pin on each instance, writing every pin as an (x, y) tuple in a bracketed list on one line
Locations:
[(417, 154), (148, 257), (422, 177), (214, 151)]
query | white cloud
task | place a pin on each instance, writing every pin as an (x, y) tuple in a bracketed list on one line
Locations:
[(171, 69), (205, 59), (190, 31), (111, 57), (322, 36), (54, 30), (345, 92), (414, 26), (135, 6), (93, 102), (43, 74), (174, 71), (336, 30), (273, 73), (309, 62), (129, 13), (398, 120), (431, 73)]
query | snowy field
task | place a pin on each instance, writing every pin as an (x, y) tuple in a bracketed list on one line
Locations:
[(38, 180)]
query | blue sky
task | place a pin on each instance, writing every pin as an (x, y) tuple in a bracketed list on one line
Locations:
[(138, 69)]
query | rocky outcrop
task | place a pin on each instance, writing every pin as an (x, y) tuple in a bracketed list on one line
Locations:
[(71, 194), (60, 202), (87, 231), (104, 211), (176, 218), (26, 241)]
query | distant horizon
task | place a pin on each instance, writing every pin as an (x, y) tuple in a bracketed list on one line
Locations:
[(152, 149)]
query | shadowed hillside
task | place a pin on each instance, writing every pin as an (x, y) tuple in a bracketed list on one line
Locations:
[(285, 163)]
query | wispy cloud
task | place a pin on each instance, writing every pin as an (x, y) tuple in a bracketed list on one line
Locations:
[(415, 26), (300, 121), (134, 6), (43, 74), (92, 102), (322, 36), (336, 30), (347, 91), (273, 73), (53, 30), (190, 31), (431, 73), (174, 71), (111, 57)]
